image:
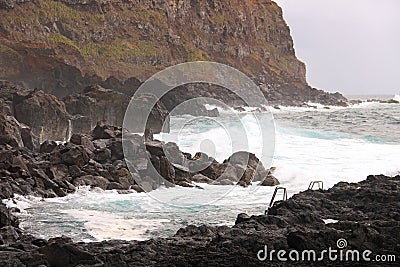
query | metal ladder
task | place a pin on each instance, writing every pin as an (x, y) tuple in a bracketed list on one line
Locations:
[(310, 187), (274, 195), (319, 183)]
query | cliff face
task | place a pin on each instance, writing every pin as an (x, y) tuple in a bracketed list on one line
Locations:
[(63, 46)]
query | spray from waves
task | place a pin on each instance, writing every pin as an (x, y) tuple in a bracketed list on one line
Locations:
[(396, 97), (339, 159), (302, 155)]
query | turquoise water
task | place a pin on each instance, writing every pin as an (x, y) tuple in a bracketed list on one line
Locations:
[(336, 144)]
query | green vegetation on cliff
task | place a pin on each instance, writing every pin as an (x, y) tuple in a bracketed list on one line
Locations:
[(132, 38)]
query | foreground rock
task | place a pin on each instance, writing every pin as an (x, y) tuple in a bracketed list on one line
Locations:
[(365, 214)]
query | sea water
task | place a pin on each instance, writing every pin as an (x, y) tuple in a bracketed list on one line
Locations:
[(332, 145)]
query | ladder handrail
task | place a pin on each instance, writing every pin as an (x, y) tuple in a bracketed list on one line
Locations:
[(284, 198), (319, 183)]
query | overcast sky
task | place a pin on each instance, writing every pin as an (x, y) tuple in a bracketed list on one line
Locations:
[(350, 46)]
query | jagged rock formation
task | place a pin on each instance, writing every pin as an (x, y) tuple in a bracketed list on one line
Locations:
[(98, 160), (50, 118), (63, 46), (44, 113), (97, 104)]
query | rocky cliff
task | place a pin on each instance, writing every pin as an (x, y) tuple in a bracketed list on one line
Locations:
[(63, 46)]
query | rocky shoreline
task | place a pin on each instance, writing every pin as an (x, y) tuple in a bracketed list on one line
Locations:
[(365, 214)]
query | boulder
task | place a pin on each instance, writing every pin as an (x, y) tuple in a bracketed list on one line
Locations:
[(47, 146), (167, 171), (242, 217), (97, 104), (6, 218), (28, 138), (250, 169), (200, 178), (125, 178), (81, 124), (8, 235), (155, 148), (269, 180), (127, 87), (66, 254), (247, 175), (69, 154), (116, 149), (104, 131), (249, 159), (93, 181), (10, 131), (231, 172), (44, 113), (173, 153), (157, 120), (214, 169), (83, 140), (102, 155)]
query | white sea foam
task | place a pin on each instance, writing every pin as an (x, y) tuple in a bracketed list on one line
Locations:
[(106, 225), (326, 221), (301, 156), (21, 202)]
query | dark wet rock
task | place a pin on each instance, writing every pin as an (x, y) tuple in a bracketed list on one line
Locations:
[(167, 171), (214, 169), (8, 235), (81, 124), (157, 120), (247, 175), (241, 109), (242, 217), (29, 140), (195, 109), (270, 180), (102, 155), (47, 146), (44, 113), (231, 172), (71, 155), (94, 181), (83, 140), (65, 254), (10, 131), (200, 178), (6, 217), (249, 159), (127, 87), (98, 104), (155, 148), (117, 150), (173, 153), (104, 131), (389, 101), (370, 221)]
